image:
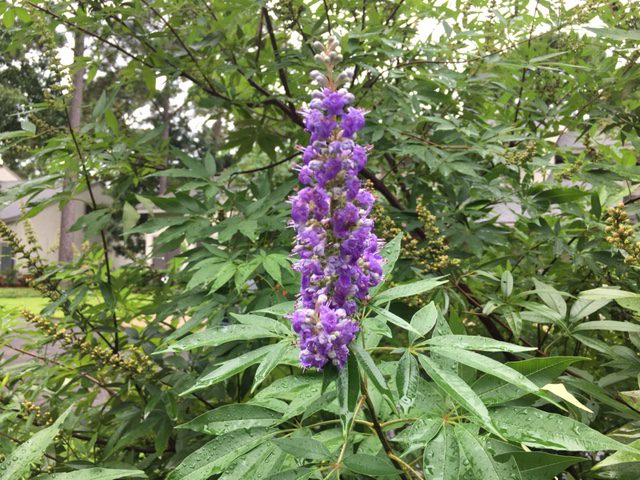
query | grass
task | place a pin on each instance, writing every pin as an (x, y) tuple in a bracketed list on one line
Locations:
[(18, 298)]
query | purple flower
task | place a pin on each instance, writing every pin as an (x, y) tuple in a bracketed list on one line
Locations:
[(336, 250), (352, 121), (334, 102)]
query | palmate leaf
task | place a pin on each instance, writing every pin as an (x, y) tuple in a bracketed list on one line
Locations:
[(488, 365), (230, 367), (457, 389), (539, 429), (270, 361), (373, 372), (540, 371), (19, 461), (256, 463), (407, 380), (216, 455)]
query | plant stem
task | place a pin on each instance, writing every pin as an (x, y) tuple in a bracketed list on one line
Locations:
[(380, 433)]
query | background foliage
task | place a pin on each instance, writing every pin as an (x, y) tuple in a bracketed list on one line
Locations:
[(189, 371)]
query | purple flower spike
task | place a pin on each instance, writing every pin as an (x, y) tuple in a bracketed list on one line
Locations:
[(336, 250)]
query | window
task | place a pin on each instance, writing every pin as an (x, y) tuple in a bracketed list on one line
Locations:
[(6, 258)]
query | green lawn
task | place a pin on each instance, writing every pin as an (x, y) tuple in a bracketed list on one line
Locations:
[(17, 298)]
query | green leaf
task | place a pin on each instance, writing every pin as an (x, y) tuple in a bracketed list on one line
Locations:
[(540, 465), (229, 368), (228, 418), (301, 473), (96, 473), (216, 455), (583, 307), (373, 372), (272, 268), (474, 342), (607, 293), (390, 252), (506, 283), (616, 33), (369, 465), (539, 429), (348, 386), (442, 456), (408, 290), (423, 321), (480, 461), (213, 337), (269, 362), (130, 217), (264, 323), (396, 320), (149, 78), (622, 457), (551, 297), (488, 365), (407, 380), (457, 389), (19, 461), (540, 371), (608, 325), (303, 447)]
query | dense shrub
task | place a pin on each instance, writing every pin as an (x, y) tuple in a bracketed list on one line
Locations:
[(502, 339)]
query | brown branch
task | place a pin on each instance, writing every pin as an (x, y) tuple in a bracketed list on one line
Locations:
[(185, 48), (393, 12), (103, 237), (106, 41), (326, 15), (266, 167), (388, 449), (276, 54), (60, 364)]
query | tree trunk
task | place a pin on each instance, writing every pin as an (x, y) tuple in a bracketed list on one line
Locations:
[(72, 210)]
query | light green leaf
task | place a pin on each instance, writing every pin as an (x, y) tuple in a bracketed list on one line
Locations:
[(270, 362), (488, 365), (474, 342), (442, 456), (506, 283), (480, 461), (96, 473), (423, 321), (369, 465), (229, 368), (540, 465), (583, 307), (539, 429), (407, 380), (213, 337), (396, 320), (457, 389), (216, 455), (608, 325), (19, 461), (228, 418), (303, 447), (551, 297), (264, 323), (408, 290), (372, 370)]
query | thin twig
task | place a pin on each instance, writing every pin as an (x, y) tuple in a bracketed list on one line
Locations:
[(267, 167), (103, 237), (60, 364)]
